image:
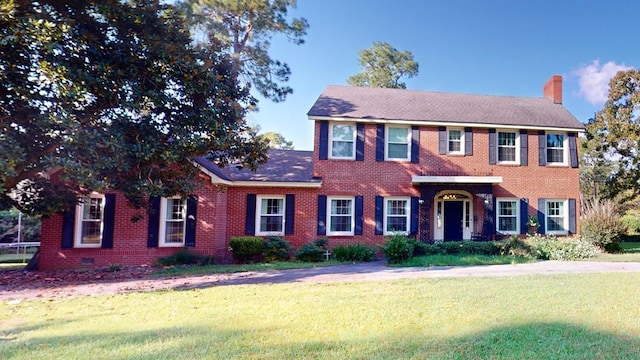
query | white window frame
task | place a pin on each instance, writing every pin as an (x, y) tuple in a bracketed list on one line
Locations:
[(353, 145), (462, 141), (565, 149), (259, 214), (407, 216), (517, 147), (77, 239), (517, 215), (387, 142), (163, 223), (329, 218), (565, 215)]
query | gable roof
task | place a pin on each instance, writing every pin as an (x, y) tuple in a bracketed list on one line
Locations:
[(282, 166), (349, 102)]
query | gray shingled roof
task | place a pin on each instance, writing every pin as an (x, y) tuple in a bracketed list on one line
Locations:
[(410, 105), (281, 166)]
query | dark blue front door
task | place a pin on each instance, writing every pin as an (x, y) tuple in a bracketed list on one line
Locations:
[(453, 220)]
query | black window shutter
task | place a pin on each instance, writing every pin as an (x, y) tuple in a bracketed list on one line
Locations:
[(572, 216), (442, 140), (415, 144), (524, 148), (379, 215), (542, 148), (415, 205), (153, 226), (468, 141), (493, 147), (380, 142), (524, 216), (290, 212), (109, 218), (192, 216), (542, 204), (68, 228), (359, 216), (324, 140), (359, 142), (322, 214), (573, 150), (250, 215)]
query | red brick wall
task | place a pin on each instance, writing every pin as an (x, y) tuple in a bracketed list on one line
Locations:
[(130, 238)]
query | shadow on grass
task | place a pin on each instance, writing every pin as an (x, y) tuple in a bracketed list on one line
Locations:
[(527, 341)]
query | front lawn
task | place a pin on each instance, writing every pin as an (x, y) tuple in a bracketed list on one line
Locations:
[(630, 253), (585, 316), (462, 260)]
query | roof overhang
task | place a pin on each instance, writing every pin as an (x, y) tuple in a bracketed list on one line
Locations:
[(444, 123), (215, 179), (415, 179)]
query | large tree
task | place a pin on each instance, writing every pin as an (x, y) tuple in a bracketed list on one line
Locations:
[(111, 95), (384, 66), (614, 134), (245, 29)]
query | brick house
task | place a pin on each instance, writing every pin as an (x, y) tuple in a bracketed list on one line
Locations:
[(437, 166)]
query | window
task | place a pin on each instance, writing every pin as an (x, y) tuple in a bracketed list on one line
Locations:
[(340, 215), (172, 221), (456, 141), (89, 221), (507, 214), (270, 215), (343, 141), (396, 215), (556, 148), (508, 144), (398, 140), (556, 213)]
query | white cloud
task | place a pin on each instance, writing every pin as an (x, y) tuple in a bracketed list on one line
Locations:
[(593, 80)]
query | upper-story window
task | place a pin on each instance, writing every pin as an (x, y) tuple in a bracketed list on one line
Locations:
[(557, 148), (342, 141), (173, 219), (508, 145), (89, 221), (270, 215), (455, 141), (398, 143)]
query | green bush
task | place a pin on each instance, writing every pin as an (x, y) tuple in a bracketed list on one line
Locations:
[(601, 225), (245, 248), (184, 257), (552, 248), (312, 252), (631, 224), (398, 248), (353, 252), (277, 249)]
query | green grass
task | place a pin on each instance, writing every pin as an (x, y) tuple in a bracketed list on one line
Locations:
[(462, 260), (225, 269), (585, 316), (630, 253)]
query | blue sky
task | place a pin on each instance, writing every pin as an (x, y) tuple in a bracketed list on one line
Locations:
[(496, 47)]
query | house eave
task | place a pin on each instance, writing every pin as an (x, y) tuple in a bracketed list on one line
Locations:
[(493, 180), (271, 184), (444, 123)]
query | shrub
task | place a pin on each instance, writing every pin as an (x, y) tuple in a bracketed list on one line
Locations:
[(398, 248), (245, 248), (552, 248), (312, 252), (184, 257), (601, 225), (277, 249), (353, 252), (423, 249), (631, 224)]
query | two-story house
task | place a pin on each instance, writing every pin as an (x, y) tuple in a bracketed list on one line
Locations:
[(437, 166)]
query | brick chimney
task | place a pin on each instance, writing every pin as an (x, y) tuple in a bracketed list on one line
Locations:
[(553, 89)]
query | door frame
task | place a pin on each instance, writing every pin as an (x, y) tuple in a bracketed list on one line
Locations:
[(439, 214)]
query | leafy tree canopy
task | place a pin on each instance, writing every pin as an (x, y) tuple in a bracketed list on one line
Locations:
[(111, 95), (614, 134), (276, 140), (245, 29), (384, 66)]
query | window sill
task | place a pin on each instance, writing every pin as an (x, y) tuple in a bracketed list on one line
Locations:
[(171, 245), (340, 234), (270, 234), (87, 246)]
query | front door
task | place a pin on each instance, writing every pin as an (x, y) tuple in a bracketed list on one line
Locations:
[(453, 220)]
